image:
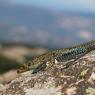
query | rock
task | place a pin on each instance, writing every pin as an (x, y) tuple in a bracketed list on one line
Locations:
[(77, 79), (8, 76), (2, 87)]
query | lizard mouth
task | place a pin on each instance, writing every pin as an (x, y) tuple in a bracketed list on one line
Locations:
[(23, 68)]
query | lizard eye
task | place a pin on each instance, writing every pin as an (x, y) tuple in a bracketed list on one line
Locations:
[(24, 66)]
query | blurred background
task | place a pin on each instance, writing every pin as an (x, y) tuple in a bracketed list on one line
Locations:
[(32, 27)]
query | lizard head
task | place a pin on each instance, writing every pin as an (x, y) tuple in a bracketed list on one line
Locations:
[(23, 68)]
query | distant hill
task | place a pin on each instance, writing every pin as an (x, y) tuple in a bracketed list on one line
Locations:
[(44, 27)]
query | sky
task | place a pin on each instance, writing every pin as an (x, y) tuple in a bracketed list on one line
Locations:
[(81, 5)]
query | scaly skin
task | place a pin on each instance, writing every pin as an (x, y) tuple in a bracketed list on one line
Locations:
[(45, 61)]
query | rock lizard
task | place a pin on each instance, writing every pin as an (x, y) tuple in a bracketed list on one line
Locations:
[(46, 60)]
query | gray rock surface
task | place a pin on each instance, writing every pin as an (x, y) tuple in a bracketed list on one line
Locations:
[(77, 79)]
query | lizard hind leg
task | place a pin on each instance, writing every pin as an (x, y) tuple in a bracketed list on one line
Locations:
[(74, 61), (45, 65)]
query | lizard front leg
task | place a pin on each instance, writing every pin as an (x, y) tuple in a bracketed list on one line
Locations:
[(40, 67), (44, 65)]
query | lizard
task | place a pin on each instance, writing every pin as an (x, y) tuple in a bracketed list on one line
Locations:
[(44, 61)]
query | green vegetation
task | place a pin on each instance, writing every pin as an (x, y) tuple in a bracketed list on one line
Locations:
[(7, 64)]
